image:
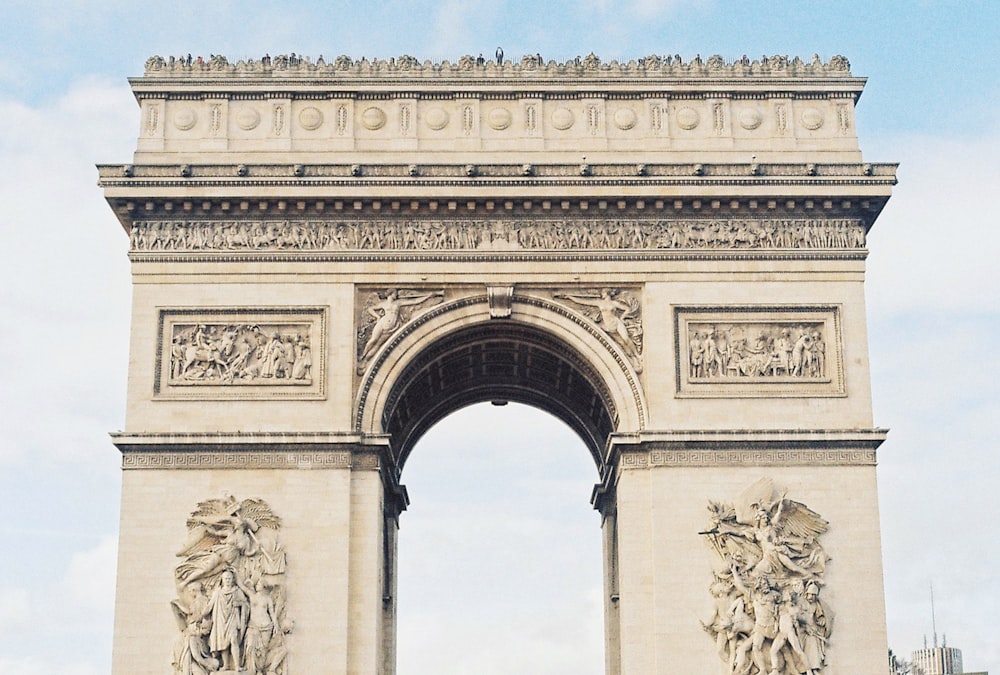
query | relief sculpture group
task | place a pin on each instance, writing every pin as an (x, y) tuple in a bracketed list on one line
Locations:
[(529, 234), (765, 351), (240, 354), (769, 618), (230, 605)]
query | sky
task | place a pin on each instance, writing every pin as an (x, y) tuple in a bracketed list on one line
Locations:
[(932, 290)]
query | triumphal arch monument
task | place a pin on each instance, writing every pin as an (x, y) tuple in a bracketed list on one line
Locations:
[(328, 257)]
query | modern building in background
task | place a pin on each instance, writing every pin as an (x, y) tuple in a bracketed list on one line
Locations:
[(943, 660)]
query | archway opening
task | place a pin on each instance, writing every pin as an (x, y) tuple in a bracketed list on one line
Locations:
[(500, 363), (500, 562)]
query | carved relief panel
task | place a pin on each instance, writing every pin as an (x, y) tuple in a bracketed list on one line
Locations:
[(536, 234), (231, 598), (759, 351), (769, 572), (381, 312), (617, 313), (241, 353)]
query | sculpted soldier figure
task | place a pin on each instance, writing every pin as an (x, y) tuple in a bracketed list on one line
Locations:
[(229, 610)]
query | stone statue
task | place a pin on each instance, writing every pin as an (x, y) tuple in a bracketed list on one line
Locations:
[(618, 313), (383, 315), (768, 617), (230, 607), (229, 611)]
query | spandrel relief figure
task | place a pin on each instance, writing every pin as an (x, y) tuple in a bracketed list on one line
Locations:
[(768, 618), (383, 314), (240, 354), (766, 351), (230, 605), (618, 313)]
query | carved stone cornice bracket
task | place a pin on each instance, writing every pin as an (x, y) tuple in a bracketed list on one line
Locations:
[(733, 447), (501, 299)]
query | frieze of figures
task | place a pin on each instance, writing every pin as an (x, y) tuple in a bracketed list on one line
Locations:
[(652, 65), (774, 351), (769, 618), (234, 354), (502, 234), (617, 312), (231, 600)]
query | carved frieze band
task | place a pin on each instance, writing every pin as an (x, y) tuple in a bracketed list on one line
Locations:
[(250, 460), (240, 353), (498, 235), (754, 457), (759, 351)]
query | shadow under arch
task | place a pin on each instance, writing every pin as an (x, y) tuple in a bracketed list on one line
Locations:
[(455, 355)]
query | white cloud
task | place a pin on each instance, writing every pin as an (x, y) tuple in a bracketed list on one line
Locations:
[(934, 247), (65, 275), (90, 579), (15, 606)]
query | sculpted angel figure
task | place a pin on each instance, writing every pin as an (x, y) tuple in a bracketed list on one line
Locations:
[(220, 533), (387, 316), (615, 312), (770, 561)]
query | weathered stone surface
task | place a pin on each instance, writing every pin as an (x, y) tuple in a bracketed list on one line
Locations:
[(328, 257)]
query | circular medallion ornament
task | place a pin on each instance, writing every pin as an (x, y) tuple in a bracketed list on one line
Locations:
[(750, 118), (688, 118), (373, 118), (247, 119), (436, 118), (310, 118), (562, 119), (185, 119), (811, 118), (625, 118), (499, 119)]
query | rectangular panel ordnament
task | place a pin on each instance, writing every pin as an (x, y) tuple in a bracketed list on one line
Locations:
[(241, 353), (759, 351)]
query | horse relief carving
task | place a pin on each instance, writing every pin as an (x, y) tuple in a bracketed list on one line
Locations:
[(230, 605), (768, 617), (229, 353)]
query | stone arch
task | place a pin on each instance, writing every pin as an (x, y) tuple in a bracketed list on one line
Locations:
[(542, 355)]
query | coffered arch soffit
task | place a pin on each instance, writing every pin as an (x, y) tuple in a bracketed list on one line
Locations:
[(456, 355)]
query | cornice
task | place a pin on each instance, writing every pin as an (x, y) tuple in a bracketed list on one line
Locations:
[(146, 191), (494, 174), (277, 441), (748, 439)]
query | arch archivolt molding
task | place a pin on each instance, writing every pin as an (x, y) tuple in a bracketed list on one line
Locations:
[(600, 355)]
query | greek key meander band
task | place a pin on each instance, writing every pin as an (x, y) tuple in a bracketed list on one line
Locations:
[(363, 461), (249, 460), (797, 457)]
